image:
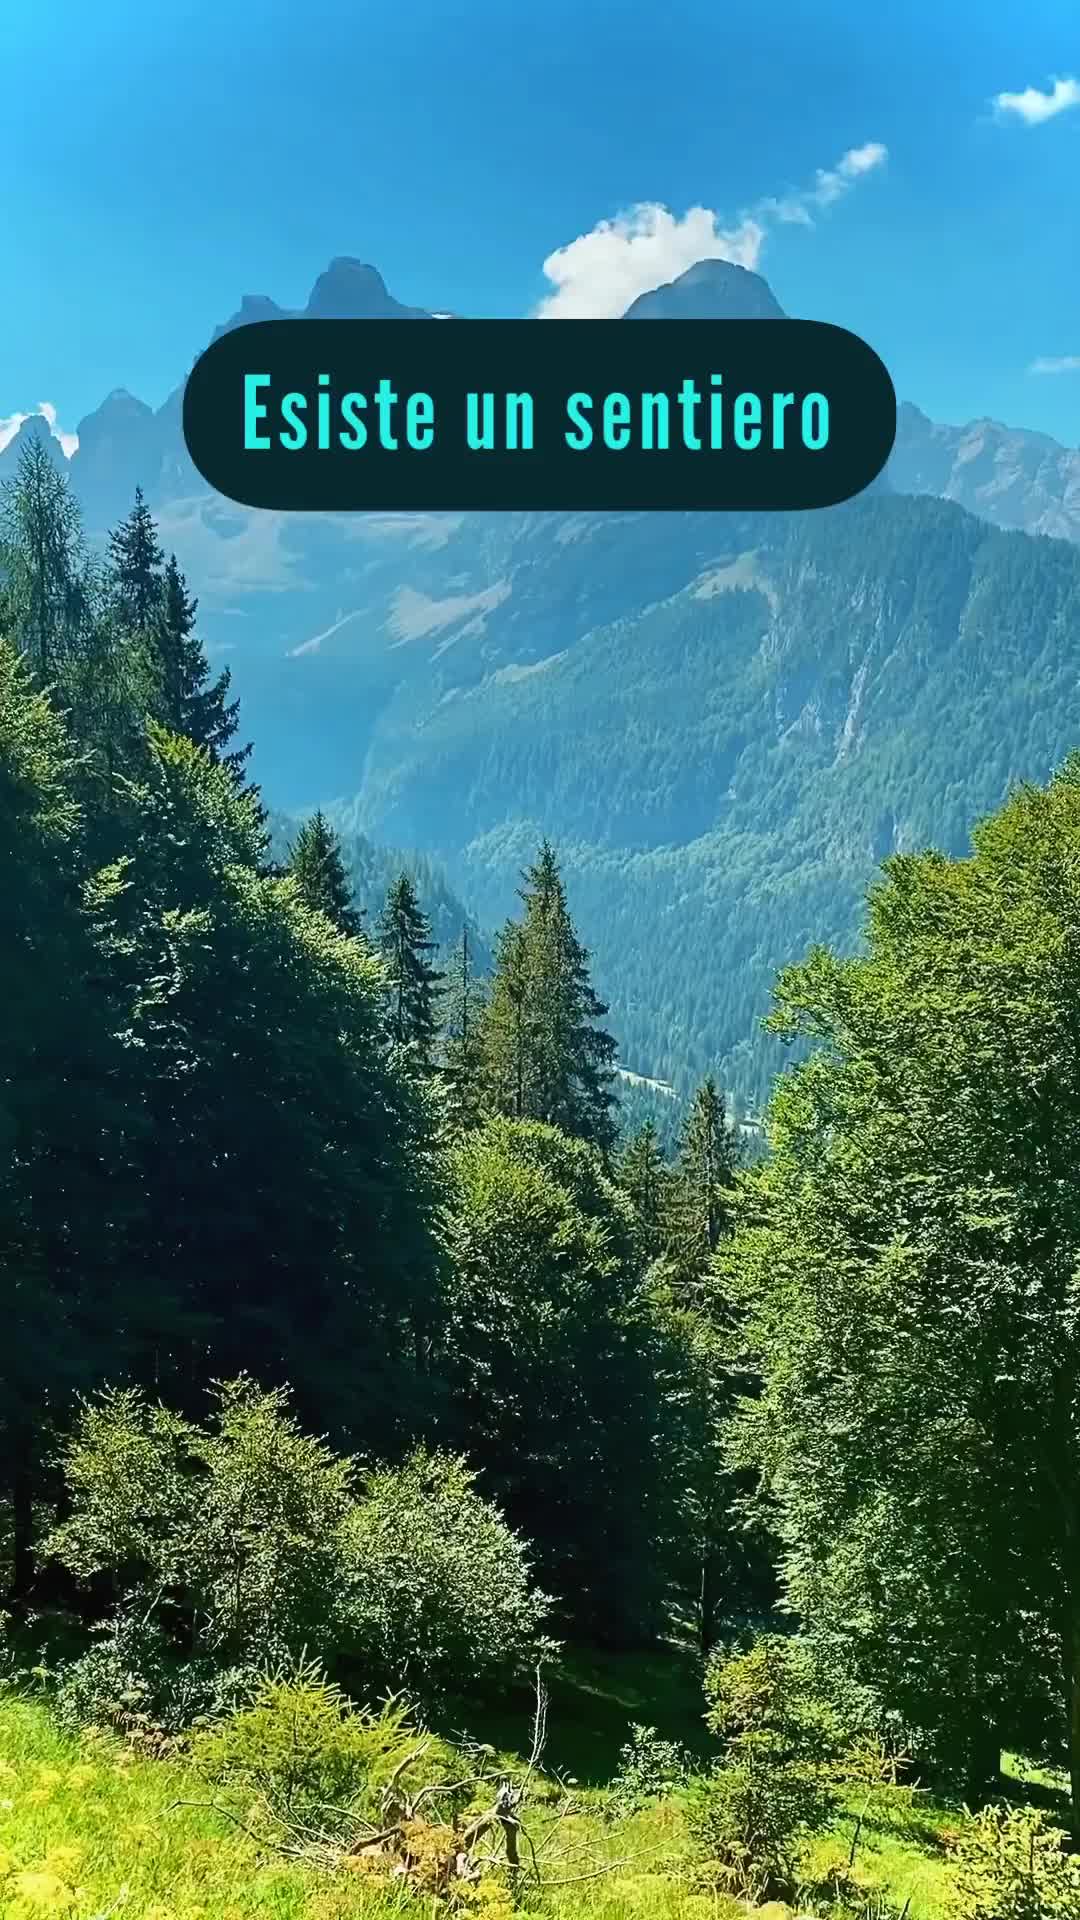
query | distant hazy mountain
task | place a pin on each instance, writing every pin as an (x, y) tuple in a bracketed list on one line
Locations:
[(124, 443), (711, 290), (35, 428), (1008, 475)]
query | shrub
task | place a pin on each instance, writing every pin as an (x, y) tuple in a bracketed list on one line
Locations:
[(649, 1769), (229, 1534), (1012, 1865), (769, 1696), (776, 1778), (305, 1752), (440, 1591), (746, 1821), (132, 1679), (248, 1542)]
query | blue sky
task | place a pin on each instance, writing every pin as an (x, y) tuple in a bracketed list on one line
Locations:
[(163, 159)]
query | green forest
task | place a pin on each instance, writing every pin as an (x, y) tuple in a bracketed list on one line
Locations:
[(724, 728), (425, 1491)]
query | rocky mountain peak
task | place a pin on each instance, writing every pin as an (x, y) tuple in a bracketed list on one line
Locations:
[(709, 290), (354, 290)]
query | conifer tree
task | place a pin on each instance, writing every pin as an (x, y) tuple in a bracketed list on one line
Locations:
[(108, 687), (318, 869), (704, 1177), (190, 702), (462, 1036), (137, 568), (546, 1056), (644, 1178), (43, 563), (405, 943), (62, 1224)]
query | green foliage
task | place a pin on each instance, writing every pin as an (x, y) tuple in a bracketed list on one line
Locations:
[(1011, 1864), (290, 1168), (557, 1366), (767, 1699), (545, 1055), (644, 1176), (137, 568), (698, 1202), (775, 1779), (462, 1035), (909, 1266), (42, 560), (441, 1593), (303, 1749), (649, 1769), (746, 1821), (188, 700), (133, 1679), (318, 872), (412, 983), (231, 1534), (60, 1097), (246, 1540)]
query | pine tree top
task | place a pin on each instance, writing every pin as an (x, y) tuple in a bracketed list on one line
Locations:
[(318, 868)]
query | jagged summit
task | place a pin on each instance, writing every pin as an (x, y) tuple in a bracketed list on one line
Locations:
[(121, 401), (253, 306), (709, 290), (354, 290), (348, 289), (34, 427)]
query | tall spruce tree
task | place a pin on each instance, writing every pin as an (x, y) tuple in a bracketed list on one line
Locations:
[(405, 943), (644, 1176), (191, 702), (546, 1056), (65, 1198), (318, 869), (462, 1039), (285, 1162), (46, 585), (701, 1191), (137, 568)]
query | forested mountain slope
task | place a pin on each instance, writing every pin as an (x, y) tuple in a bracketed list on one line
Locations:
[(723, 721), (724, 768), (372, 871)]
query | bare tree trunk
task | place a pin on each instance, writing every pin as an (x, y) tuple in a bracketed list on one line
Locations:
[(1072, 1655), (709, 1601), (22, 1529)]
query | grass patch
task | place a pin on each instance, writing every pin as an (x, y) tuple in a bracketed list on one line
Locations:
[(902, 1852), (86, 1829), (89, 1830)]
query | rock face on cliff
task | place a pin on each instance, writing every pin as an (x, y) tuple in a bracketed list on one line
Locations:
[(1007, 475)]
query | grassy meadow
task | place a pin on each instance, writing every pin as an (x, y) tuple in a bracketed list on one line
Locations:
[(89, 1829)]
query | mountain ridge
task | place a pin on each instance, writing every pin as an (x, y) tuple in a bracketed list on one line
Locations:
[(724, 721), (1014, 477)]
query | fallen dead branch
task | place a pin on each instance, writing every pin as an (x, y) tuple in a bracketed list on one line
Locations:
[(409, 1843)]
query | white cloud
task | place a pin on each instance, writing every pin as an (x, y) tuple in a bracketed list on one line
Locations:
[(1056, 363), (11, 422), (597, 275), (69, 441), (9, 427), (1033, 106)]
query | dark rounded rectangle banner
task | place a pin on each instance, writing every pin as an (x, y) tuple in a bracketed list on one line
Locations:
[(340, 415)]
